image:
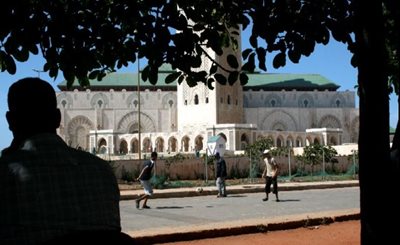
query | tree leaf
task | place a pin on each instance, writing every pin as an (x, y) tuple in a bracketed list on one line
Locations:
[(244, 79), (145, 73), (246, 53), (233, 76), (250, 64), (181, 78), (253, 41), (213, 68), (279, 60), (172, 77), (221, 79), (153, 75), (10, 65), (210, 82), (261, 53), (294, 55), (232, 61)]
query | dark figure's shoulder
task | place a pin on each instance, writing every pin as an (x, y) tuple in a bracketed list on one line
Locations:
[(86, 157)]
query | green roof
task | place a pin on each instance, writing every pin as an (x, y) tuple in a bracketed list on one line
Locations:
[(265, 81), (289, 81), (125, 80)]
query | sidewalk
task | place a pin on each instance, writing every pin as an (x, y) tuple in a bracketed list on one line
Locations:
[(241, 226), (237, 189)]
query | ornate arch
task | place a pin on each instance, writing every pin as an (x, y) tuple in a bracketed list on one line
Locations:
[(279, 126), (78, 132), (185, 143), (131, 119), (147, 145), (172, 144), (99, 98), (169, 101), (273, 100), (123, 147), (279, 117), (160, 144), (223, 136), (290, 141), (198, 143), (64, 100), (299, 142), (244, 141), (195, 91), (134, 145), (133, 100), (305, 101), (280, 141), (338, 101), (329, 121)]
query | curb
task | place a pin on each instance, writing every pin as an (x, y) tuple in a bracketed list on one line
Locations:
[(249, 227)]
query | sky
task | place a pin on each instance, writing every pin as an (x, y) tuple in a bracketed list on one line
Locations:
[(331, 61)]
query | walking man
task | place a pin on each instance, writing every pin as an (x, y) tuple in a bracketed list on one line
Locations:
[(144, 178), (270, 174), (221, 175)]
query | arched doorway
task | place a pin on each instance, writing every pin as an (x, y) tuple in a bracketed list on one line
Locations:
[(159, 144), (135, 146), (172, 144), (123, 147)]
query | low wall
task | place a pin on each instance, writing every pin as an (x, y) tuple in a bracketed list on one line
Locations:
[(237, 167)]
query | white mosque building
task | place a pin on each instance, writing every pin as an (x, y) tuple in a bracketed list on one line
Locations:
[(117, 115)]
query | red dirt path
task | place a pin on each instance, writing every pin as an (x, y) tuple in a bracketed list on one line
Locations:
[(344, 233)]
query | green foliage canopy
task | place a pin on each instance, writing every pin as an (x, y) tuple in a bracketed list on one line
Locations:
[(87, 39)]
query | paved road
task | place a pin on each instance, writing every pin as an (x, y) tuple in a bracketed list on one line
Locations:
[(168, 215)]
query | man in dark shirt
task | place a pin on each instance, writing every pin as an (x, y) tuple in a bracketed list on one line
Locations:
[(144, 178), (221, 175)]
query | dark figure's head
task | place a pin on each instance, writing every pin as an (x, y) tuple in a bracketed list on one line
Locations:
[(217, 156), (32, 108), (153, 156)]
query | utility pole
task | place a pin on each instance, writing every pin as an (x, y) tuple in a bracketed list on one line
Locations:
[(138, 93)]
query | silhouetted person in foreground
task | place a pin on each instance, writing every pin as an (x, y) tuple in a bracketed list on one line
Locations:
[(51, 193)]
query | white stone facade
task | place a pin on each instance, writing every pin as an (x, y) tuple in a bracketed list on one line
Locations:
[(107, 121)]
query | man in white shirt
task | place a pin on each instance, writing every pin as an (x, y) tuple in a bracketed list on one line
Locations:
[(270, 174)]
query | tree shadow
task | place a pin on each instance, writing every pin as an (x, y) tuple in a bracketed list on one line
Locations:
[(173, 207), (288, 200), (236, 196)]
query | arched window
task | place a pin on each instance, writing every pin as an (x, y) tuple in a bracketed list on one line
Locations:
[(123, 147), (100, 103), (229, 100), (305, 103), (196, 99)]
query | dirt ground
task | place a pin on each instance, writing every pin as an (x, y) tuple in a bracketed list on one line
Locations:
[(344, 233)]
